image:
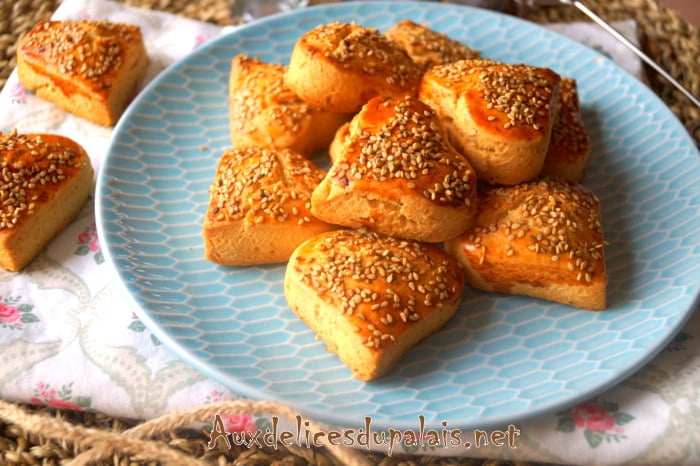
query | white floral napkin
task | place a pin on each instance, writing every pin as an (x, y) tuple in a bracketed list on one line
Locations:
[(66, 336), (69, 339)]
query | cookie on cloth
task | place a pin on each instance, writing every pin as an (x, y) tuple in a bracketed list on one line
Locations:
[(89, 68), (46, 180)]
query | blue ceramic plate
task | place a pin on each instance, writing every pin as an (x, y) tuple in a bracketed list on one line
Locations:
[(501, 358)]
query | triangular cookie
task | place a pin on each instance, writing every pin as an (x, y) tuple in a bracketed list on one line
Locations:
[(259, 206), (371, 297), (543, 239), (396, 173)]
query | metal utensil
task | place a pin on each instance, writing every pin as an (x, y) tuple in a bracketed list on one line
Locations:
[(617, 35)]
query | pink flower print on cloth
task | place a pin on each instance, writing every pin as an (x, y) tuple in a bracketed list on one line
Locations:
[(46, 395), (19, 93), (14, 314), (243, 423), (201, 39), (9, 314), (88, 244), (237, 422), (599, 421), (592, 416)]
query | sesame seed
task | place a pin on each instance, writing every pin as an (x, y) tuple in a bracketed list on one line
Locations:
[(428, 47), (349, 277), (351, 45), (27, 166), (263, 185), (565, 226), (88, 50), (409, 147), (568, 134), (248, 97), (521, 94)]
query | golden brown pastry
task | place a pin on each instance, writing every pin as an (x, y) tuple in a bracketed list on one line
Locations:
[(264, 111), (89, 68), (340, 66), (341, 138), (570, 145), (398, 174), (259, 206), (46, 180), (428, 47), (542, 238), (371, 297), (500, 116)]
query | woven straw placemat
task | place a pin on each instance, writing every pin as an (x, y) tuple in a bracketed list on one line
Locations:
[(40, 435), (32, 435)]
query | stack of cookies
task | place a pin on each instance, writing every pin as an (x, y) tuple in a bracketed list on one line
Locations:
[(446, 170)]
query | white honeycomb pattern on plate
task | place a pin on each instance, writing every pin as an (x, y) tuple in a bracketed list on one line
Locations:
[(501, 358)]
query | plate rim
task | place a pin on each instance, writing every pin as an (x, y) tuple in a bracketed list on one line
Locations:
[(186, 354)]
